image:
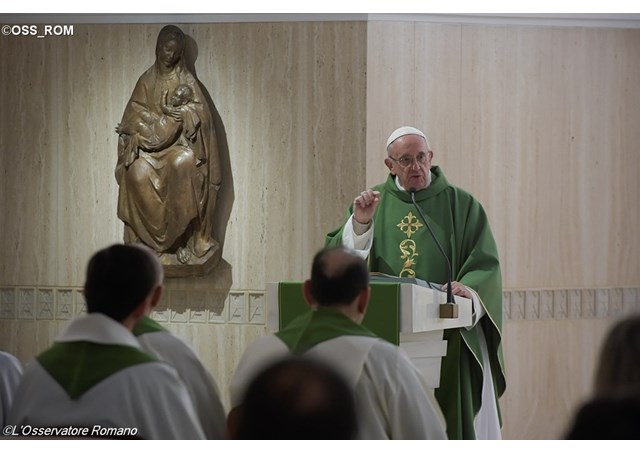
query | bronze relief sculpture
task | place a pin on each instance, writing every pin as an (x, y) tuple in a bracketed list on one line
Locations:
[(168, 168)]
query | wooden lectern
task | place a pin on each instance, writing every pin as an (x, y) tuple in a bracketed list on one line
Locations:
[(404, 314)]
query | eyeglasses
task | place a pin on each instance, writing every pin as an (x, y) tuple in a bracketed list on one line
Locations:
[(406, 161)]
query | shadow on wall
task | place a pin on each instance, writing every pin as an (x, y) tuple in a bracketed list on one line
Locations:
[(196, 299), (226, 193)]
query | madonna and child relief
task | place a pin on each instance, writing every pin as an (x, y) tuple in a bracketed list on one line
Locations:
[(168, 168)]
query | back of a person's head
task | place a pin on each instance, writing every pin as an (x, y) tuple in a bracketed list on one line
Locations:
[(338, 275), (618, 371), (607, 418), (297, 398), (119, 278)]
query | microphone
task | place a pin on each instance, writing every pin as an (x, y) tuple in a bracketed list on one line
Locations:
[(450, 309)]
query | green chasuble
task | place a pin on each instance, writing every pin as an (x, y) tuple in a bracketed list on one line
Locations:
[(402, 246), (79, 365), (316, 326)]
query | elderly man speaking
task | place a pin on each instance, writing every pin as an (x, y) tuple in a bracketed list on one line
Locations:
[(384, 226)]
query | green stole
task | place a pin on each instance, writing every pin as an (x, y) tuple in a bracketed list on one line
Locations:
[(316, 326), (402, 246), (147, 325), (79, 365)]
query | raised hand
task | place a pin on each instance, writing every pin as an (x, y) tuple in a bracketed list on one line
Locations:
[(364, 205)]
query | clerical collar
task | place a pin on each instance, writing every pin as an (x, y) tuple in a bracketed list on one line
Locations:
[(399, 186)]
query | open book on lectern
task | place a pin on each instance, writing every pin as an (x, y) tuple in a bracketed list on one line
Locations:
[(386, 278)]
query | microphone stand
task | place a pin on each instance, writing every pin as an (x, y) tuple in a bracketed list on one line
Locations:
[(450, 309)]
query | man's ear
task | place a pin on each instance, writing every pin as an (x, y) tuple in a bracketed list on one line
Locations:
[(389, 163), (156, 296), (308, 297), (363, 300)]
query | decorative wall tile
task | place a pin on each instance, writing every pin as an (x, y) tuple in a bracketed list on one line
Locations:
[(560, 304), (7, 303), (629, 300), (79, 303), (506, 305), (218, 309), (26, 303), (531, 305), (588, 303), (217, 302), (546, 304), (198, 306), (615, 302), (575, 309), (602, 303), (237, 308), (45, 303), (64, 305), (256, 308), (517, 305), (178, 302), (161, 312)]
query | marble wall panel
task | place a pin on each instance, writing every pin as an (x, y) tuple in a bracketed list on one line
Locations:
[(536, 122), (555, 98), (27, 160), (549, 367)]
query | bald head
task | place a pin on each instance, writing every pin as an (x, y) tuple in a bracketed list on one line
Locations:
[(298, 398), (338, 276)]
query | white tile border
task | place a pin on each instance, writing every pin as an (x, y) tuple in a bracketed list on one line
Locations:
[(238, 307)]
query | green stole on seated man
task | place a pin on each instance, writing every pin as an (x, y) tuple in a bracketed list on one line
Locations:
[(79, 365), (147, 325), (316, 326)]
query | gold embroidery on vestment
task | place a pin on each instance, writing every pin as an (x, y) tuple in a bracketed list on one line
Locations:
[(409, 225), (408, 249)]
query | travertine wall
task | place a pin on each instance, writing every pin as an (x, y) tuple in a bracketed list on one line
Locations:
[(540, 124)]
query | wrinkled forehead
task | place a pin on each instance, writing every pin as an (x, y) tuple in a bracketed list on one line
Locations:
[(408, 144)]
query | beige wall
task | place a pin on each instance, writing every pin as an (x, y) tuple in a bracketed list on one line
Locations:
[(539, 123)]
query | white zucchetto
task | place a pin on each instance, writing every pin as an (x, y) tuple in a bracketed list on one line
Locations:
[(405, 130)]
